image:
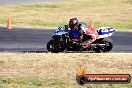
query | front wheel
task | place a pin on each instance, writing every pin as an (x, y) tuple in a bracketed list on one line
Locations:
[(51, 47), (55, 47), (107, 45)]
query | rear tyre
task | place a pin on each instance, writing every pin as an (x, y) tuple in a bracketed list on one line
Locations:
[(108, 45)]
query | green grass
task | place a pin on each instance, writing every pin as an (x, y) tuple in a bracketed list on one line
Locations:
[(129, 1), (46, 70), (113, 13)]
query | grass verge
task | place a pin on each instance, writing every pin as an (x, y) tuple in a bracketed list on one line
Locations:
[(59, 70), (113, 13)]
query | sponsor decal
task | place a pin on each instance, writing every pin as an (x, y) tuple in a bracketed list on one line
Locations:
[(83, 78)]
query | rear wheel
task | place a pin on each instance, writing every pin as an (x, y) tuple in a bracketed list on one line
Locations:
[(108, 45)]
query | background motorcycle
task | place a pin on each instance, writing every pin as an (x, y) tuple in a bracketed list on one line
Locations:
[(61, 41)]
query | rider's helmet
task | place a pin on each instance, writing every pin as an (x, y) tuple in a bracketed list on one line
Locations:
[(73, 23)]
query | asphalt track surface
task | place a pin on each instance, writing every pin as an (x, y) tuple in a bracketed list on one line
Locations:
[(35, 40)]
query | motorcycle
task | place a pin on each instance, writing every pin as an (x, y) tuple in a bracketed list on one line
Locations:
[(61, 41)]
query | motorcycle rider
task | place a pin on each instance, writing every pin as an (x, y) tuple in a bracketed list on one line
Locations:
[(76, 34), (78, 31)]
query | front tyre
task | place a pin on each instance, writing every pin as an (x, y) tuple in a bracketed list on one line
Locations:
[(51, 47), (108, 45)]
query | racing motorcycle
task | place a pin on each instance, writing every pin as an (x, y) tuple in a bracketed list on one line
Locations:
[(62, 42)]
